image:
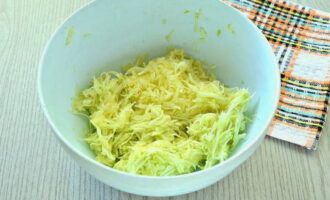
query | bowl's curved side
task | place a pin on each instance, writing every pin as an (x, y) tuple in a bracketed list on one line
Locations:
[(171, 186), (161, 186)]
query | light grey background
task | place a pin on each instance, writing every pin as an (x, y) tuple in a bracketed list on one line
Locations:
[(33, 166)]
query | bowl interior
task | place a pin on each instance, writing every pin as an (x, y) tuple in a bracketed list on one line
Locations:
[(108, 34)]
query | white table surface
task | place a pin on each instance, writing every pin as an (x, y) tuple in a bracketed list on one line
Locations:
[(33, 166)]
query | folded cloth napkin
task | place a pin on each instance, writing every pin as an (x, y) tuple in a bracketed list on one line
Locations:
[(300, 37)]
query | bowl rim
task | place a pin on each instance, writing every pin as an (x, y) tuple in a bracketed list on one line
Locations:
[(107, 168)]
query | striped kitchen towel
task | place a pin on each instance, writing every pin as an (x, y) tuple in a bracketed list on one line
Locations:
[(300, 37)]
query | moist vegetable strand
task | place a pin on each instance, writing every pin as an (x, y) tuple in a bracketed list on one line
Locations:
[(166, 117)]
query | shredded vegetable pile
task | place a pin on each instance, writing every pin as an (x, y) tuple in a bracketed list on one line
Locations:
[(166, 117)]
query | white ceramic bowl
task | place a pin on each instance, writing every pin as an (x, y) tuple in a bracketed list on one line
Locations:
[(110, 33)]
